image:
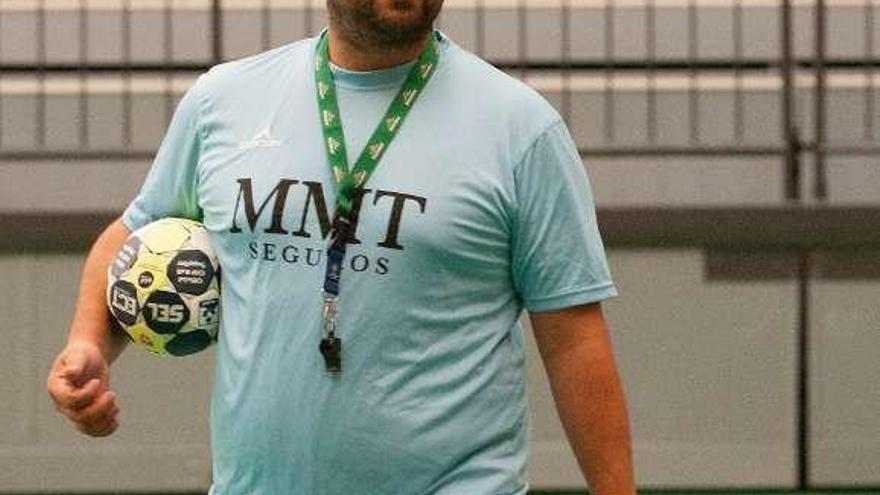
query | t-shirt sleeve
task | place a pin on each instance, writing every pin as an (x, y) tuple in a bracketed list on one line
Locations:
[(558, 259), (170, 187)]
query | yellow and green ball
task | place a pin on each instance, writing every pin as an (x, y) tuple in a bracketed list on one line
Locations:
[(163, 287)]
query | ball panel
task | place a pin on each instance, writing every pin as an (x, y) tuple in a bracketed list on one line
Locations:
[(191, 272), (146, 338), (125, 257), (168, 234), (188, 343), (124, 302), (209, 315), (154, 264)]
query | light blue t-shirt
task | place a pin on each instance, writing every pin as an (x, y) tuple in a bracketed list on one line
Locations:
[(479, 208)]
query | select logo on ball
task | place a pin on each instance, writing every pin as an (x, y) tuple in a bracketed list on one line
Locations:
[(123, 302), (165, 312)]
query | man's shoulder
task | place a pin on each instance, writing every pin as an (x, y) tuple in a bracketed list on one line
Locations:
[(489, 94), (495, 92), (261, 69)]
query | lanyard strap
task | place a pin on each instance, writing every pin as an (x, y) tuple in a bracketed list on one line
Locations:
[(347, 181)]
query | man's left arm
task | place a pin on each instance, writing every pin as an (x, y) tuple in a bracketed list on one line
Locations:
[(579, 360)]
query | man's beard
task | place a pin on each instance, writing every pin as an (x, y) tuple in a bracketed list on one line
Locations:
[(360, 23)]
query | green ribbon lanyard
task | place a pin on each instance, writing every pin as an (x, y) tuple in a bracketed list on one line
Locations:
[(344, 180), (347, 181)]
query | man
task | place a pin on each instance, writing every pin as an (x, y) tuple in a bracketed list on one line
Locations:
[(469, 203)]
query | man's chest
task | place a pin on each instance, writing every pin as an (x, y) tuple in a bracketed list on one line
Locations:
[(270, 197)]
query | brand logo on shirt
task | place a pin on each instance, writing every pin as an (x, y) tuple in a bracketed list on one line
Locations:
[(263, 139), (286, 219), (315, 204)]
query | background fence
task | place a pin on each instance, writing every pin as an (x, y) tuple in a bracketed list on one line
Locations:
[(740, 136)]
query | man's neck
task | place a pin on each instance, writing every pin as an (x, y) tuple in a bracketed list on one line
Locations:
[(350, 56)]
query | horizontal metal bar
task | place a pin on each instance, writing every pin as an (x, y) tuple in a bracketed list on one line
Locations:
[(92, 155), (582, 65), (682, 150), (641, 64), (749, 228), (75, 155), (733, 266), (99, 68), (622, 151), (745, 150), (868, 150), (781, 228)]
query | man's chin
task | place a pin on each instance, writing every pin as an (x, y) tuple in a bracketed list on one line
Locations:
[(402, 6)]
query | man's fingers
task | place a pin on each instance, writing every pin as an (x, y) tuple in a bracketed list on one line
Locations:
[(102, 409), (67, 396), (98, 430), (107, 430), (78, 385), (73, 365)]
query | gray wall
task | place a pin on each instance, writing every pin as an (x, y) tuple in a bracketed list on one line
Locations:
[(708, 363), (708, 367)]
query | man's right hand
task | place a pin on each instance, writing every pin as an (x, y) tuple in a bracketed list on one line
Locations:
[(79, 383)]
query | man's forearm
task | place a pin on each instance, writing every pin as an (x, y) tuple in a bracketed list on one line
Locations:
[(92, 322), (592, 408), (580, 366)]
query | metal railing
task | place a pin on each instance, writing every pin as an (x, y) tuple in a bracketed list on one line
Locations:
[(579, 46), (696, 53)]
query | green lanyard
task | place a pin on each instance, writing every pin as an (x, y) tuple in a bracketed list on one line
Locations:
[(344, 180), (347, 181)]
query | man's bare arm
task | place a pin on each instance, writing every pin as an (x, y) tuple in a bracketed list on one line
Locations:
[(79, 381), (92, 321), (577, 355)]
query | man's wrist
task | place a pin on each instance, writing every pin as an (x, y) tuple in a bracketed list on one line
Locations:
[(101, 337)]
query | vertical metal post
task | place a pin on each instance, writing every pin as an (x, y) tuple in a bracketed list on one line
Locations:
[(216, 32), (168, 57), (693, 56), (1, 81), (480, 28), (609, 72), (651, 42), (869, 72), (266, 24), (523, 26), (565, 31), (820, 184), (127, 127), (803, 371), (307, 22), (738, 117), (793, 195), (789, 128), (83, 75), (41, 75)]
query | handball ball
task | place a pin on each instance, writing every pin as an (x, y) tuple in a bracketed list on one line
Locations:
[(163, 287)]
